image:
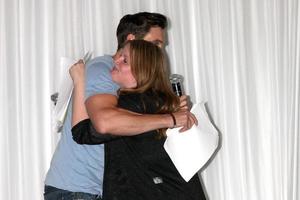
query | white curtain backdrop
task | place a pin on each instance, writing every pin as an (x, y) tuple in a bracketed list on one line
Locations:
[(241, 56)]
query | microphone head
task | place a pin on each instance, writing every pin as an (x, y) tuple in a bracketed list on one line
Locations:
[(176, 82)]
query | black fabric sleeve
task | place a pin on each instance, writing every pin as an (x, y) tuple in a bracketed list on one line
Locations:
[(84, 133)]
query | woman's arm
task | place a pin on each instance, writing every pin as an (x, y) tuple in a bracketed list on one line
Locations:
[(84, 133), (77, 72), (82, 129)]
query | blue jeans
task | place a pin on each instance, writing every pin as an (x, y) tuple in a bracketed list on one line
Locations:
[(53, 193)]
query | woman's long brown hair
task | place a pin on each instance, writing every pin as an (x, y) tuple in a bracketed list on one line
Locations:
[(149, 68)]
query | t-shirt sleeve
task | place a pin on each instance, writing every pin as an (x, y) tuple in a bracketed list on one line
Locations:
[(98, 79)]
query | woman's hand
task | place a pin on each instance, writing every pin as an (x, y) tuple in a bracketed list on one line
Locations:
[(77, 72)]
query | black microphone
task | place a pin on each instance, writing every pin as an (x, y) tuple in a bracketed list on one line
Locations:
[(176, 82)]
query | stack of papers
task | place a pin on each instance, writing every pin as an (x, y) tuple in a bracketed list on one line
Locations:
[(190, 150), (64, 92)]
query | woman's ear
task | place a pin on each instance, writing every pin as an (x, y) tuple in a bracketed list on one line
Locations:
[(130, 36)]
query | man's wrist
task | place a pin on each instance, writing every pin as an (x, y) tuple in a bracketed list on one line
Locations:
[(174, 120)]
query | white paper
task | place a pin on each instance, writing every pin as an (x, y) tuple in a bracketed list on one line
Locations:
[(65, 90), (190, 150)]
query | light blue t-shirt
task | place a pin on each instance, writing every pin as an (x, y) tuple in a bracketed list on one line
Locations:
[(79, 168)]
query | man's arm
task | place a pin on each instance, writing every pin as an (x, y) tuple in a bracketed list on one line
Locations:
[(85, 133), (108, 118)]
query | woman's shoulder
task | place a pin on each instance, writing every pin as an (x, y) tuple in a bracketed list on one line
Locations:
[(146, 102)]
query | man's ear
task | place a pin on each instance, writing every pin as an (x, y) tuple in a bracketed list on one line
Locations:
[(130, 36)]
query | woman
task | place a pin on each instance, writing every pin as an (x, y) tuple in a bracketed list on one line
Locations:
[(137, 167)]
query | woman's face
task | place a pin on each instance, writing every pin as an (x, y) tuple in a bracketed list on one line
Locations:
[(121, 72)]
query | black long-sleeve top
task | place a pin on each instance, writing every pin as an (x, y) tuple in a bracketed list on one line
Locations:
[(138, 167)]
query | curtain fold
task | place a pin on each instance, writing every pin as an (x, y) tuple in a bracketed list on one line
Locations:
[(241, 57)]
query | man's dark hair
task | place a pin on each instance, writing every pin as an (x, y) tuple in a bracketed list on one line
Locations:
[(139, 25)]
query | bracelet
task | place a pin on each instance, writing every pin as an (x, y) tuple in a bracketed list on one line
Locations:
[(174, 120)]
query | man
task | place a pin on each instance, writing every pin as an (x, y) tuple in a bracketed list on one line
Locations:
[(76, 171)]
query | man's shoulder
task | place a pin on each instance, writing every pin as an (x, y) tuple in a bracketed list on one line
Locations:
[(98, 77), (105, 60), (98, 67)]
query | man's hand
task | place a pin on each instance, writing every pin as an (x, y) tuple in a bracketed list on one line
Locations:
[(185, 102), (184, 118)]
